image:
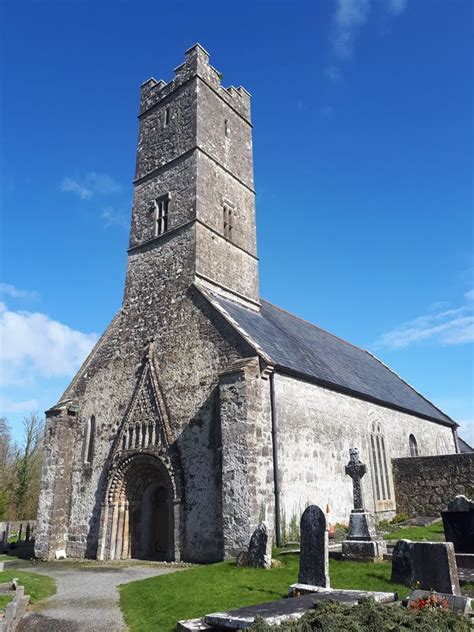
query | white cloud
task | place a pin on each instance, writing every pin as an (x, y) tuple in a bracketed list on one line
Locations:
[(91, 184), (445, 327), (33, 345), (349, 17), (10, 406), (113, 217), (466, 431), (396, 7), (14, 292), (469, 295)]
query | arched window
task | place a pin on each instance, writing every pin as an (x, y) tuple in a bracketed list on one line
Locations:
[(89, 440), (379, 468), (413, 445), (442, 446)]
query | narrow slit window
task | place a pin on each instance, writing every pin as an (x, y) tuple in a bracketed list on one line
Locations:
[(228, 222), (167, 116), (226, 127), (89, 440), (161, 215)]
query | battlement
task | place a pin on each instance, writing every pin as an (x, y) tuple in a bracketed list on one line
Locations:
[(196, 64)]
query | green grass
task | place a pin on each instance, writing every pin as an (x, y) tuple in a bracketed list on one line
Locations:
[(37, 586), (5, 558), (159, 602), (4, 599), (433, 533)]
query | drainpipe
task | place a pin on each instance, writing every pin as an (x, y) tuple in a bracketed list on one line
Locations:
[(276, 472), (456, 439)]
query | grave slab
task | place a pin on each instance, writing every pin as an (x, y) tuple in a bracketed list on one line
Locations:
[(193, 625), (435, 567), (460, 605), (354, 595), (314, 560)]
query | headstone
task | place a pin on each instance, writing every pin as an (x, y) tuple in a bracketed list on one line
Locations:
[(460, 503), (2, 566), (20, 532), (460, 605), (403, 571), (362, 542), (435, 567), (260, 548), (458, 523), (314, 556), (28, 532), (60, 554)]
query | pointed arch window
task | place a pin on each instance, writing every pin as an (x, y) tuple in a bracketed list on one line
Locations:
[(89, 440), (413, 445), (379, 461)]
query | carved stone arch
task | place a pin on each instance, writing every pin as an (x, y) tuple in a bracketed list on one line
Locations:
[(127, 513), (143, 501)]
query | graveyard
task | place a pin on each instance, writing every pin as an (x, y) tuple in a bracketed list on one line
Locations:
[(368, 577)]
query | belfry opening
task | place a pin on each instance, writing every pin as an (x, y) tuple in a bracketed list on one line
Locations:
[(140, 518)]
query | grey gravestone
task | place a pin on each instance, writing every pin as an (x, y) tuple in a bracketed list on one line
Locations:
[(403, 571), (435, 567), (28, 532), (458, 523), (461, 503), (362, 542), (260, 548), (314, 556), (460, 605)]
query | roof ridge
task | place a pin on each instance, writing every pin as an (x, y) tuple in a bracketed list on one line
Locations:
[(285, 311)]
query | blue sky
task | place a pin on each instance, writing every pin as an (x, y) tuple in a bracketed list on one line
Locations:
[(363, 165)]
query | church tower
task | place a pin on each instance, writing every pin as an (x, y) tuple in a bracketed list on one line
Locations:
[(194, 202)]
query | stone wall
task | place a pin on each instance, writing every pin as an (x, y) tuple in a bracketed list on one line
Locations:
[(316, 428), (425, 485)]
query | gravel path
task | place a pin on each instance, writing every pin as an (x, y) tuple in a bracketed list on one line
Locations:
[(87, 596)]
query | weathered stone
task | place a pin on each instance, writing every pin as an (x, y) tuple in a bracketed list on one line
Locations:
[(295, 590), (403, 571), (362, 542), (425, 485), (459, 529), (242, 559), (314, 556), (435, 567), (456, 603), (460, 503), (260, 547)]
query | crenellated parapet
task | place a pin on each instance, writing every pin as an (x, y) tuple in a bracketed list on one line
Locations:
[(196, 64)]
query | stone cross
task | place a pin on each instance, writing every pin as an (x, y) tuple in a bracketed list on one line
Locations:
[(356, 470), (314, 555)]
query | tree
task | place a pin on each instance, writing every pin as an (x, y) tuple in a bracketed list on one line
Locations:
[(28, 468), (7, 460)]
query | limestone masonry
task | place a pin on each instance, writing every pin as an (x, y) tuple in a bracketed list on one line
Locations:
[(203, 410)]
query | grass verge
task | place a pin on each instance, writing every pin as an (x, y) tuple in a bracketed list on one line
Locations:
[(159, 602), (433, 533), (37, 586)]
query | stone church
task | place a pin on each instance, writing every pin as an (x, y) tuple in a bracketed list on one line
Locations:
[(203, 408)]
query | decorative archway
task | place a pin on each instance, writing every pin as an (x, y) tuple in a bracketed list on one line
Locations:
[(141, 515)]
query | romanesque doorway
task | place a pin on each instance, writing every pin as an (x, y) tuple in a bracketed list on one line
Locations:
[(142, 514)]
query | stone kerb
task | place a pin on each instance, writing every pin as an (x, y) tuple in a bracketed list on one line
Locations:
[(15, 610)]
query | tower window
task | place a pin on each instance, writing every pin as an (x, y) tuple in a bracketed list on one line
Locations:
[(161, 215), (226, 127), (413, 445), (228, 221), (167, 116)]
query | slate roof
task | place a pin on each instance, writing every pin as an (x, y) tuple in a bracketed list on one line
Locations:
[(464, 447), (300, 347)]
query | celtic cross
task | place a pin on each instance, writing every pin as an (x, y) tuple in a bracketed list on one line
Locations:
[(356, 470)]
